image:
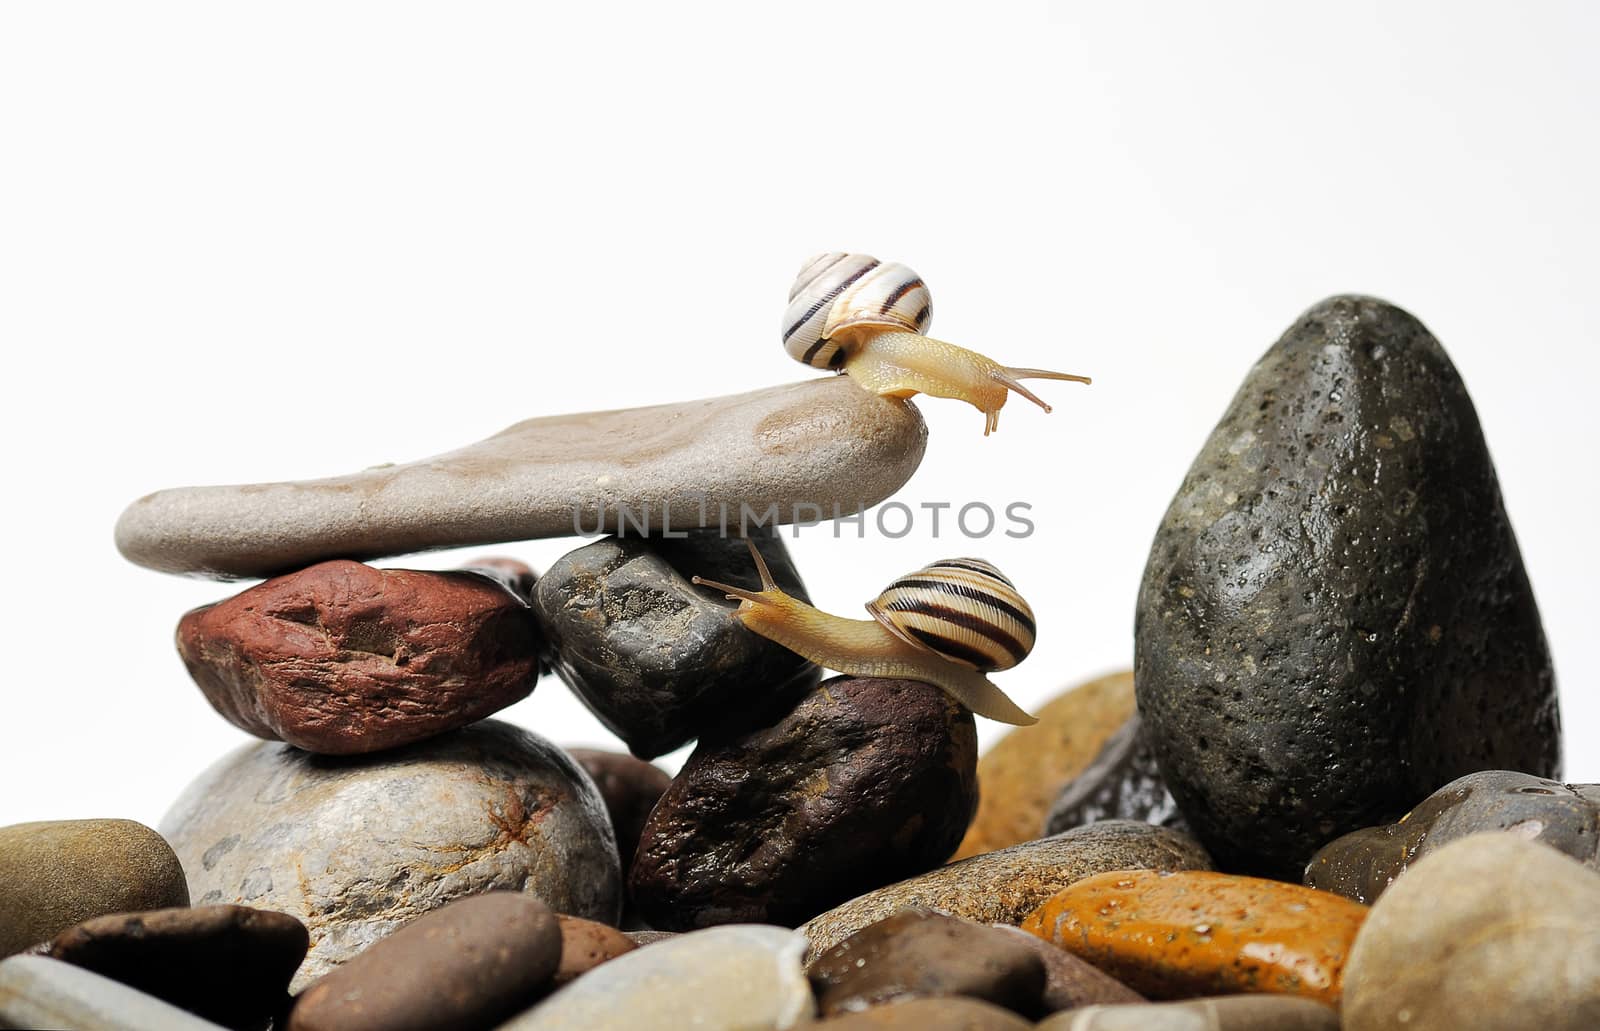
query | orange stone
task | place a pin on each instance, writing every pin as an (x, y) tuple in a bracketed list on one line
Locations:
[(1194, 933)]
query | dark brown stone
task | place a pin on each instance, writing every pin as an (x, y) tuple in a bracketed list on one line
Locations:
[(469, 964), (513, 574), (1069, 982), (918, 952), (865, 782), (951, 1013), (630, 787), (585, 944), (1363, 863), (229, 964), (342, 658), (1123, 782)]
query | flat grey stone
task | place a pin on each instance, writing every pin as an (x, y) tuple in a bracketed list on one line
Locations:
[(37, 992), (817, 443), (354, 847), (745, 976)]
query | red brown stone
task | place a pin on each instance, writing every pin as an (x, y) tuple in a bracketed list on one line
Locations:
[(631, 788), (342, 658), (585, 944)]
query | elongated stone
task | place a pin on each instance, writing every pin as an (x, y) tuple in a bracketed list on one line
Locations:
[(36, 991), (799, 449)]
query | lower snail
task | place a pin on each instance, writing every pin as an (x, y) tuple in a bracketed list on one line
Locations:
[(866, 318), (946, 624)]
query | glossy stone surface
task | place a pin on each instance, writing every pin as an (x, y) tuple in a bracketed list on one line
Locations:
[(228, 964), (57, 873), (1362, 864), (657, 659), (39, 992), (1195, 933), (469, 964), (801, 449), (1069, 982), (1022, 772), (356, 847), (739, 976), (342, 658), (1335, 618), (1005, 886), (864, 782), (1123, 782), (1489, 933), (918, 952)]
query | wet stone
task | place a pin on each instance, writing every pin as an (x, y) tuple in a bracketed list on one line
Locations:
[(228, 964), (1335, 618), (1122, 783), (1362, 864), (864, 782), (659, 660), (918, 952), (1069, 982)]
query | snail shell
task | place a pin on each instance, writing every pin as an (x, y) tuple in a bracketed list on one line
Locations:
[(837, 290), (962, 608)]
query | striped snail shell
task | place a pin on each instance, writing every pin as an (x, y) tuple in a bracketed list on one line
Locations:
[(961, 608), (837, 290)]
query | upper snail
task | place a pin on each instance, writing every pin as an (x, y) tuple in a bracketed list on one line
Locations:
[(853, 313)]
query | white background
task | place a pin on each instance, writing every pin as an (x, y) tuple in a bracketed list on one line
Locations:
[(244, 243)]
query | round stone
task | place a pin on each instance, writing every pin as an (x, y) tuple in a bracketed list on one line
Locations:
[(631, 788)]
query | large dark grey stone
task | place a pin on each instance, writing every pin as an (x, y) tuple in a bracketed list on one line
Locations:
[(1335, 618), (659, 660), (1123, 782)]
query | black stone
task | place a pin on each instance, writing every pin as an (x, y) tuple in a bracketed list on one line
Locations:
[(659, 660), (1123, 782), (864, 783), (1335, 618), (1566, 817)]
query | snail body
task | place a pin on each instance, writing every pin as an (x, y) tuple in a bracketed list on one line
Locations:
[(868, 319), (947, 625)]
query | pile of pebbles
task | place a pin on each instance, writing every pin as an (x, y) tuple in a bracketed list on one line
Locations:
[(1326, 796)]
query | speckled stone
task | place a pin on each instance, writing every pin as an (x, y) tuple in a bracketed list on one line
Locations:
[(355, 847), (57, 873), (39, 992), (1224, 1013), (864, 782), (1362, 864), (585, 944), (918, 952), (1123, 782), (469, 964), (1489, 933), (1069, 982), (228, 964), (1194, 933), (1335, 618), (801, 448), (1023, 771), (1005, 886), (742, 976), (657, 659), (950, 1013)]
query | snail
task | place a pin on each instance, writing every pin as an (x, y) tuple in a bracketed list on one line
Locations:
[(946, 624), (866, 318)]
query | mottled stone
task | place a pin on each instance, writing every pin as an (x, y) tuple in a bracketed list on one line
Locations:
[(585, 944), (1335, 618), (657, 659), (1224, 1013), (1363, 863), (1023, 771), (39, 992), (1069, 982), (1193, 933), (469, 964), (1489, 933), (949, 1013), (57, 873), (801, 450), (631, 788), (918, 952), (343, 658), (739, 976), (1122, 783), (866, 781), (356, 847), (229, 964), (1005, 886)]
